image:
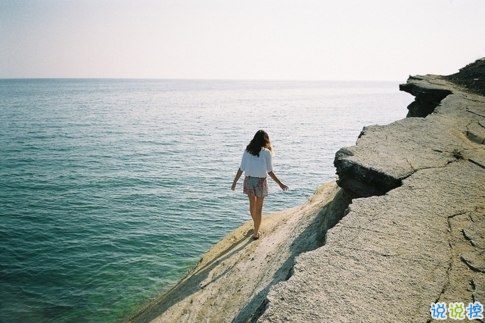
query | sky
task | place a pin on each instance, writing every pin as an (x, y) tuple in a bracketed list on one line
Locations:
[(239, 39)]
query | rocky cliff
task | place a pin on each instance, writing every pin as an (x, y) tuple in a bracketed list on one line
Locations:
[(415, 233), (406, 228), (471, 77)]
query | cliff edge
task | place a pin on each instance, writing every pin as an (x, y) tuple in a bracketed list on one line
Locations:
[(404, 228), (415, 233)]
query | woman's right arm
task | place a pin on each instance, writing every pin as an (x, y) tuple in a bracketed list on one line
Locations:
[(236, 178)]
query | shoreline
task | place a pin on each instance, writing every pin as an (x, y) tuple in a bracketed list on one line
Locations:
[(237, 272)]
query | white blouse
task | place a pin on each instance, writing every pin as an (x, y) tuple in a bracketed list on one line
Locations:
[(255, 166)]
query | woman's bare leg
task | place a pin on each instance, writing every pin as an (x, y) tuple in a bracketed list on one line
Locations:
[(256, 210), (258, 215)]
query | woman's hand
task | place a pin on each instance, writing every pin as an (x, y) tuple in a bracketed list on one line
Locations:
[(284, 187)]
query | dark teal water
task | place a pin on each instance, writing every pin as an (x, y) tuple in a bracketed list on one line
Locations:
[(110, 190)]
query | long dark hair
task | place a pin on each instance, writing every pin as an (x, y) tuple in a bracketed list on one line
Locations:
[(260, 140)]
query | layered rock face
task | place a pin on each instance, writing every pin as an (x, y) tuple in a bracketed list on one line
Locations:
[(385, 155), (472, 77), (415, 233), (427, 96)]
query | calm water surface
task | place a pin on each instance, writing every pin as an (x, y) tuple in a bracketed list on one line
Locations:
[(110, 190)]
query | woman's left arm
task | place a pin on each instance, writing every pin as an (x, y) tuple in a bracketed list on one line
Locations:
[(273, 176)]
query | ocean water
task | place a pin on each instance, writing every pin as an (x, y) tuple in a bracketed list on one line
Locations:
[(111, 190)]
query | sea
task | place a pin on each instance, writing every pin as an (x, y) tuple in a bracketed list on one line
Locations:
[(112, 189)]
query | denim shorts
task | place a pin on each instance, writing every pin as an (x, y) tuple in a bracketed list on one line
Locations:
[(255, 186)]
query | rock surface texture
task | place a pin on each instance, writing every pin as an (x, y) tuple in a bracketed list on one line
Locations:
[(415, 234)]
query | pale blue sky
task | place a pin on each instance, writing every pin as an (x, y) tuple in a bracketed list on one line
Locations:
[(243, 39)]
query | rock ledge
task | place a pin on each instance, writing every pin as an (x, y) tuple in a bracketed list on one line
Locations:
[(418, 236)]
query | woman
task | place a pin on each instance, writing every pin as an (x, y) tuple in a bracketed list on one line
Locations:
[(256, 164)]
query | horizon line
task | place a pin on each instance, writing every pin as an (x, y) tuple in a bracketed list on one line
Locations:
[(199, 79)]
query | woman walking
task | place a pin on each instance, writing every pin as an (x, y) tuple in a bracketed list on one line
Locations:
[(256, 163)]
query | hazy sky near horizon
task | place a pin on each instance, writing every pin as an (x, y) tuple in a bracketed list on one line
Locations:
[(243, 39)]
